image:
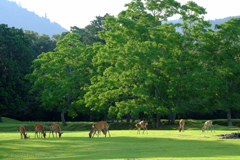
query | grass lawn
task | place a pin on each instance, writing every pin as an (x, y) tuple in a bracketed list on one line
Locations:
[(123, 144)]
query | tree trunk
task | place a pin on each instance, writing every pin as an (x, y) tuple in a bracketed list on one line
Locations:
[(158, 120), (91, 118), (229, 118), (128, 117), (121, 119), (173, 118), (169, 118), (112, 119), (1, 118), (134, 118), (153, 121), (117, 120), (62, 116)]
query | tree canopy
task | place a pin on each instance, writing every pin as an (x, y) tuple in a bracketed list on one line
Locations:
[(15, 62)]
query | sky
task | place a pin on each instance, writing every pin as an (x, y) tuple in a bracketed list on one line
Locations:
[(80, 13)]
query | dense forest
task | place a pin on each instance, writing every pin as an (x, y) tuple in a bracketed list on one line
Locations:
[(15, 16), (130, 66)]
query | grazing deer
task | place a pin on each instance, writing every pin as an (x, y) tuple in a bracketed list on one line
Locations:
[(39, 128), (103, 130), (98, 127), (181, 124), (22, 131), (206, 125), (55, 127), (142, 124)]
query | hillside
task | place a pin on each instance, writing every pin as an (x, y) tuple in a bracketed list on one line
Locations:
[(15, 16), (213, 22)]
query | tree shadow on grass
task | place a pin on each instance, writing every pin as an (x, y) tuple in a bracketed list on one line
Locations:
[(118, 148)]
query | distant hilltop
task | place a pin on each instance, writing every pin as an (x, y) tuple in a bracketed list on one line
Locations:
[(15, 16), (18, 17)]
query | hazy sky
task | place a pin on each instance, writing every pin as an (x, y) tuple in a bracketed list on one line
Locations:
[(80, 12)]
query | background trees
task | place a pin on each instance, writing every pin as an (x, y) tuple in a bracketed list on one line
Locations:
[(146, 66), (136, 64), (223, 64), (61, 76), (15, 62)]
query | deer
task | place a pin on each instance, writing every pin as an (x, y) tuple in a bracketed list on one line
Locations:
[(142, 124), (206, 125), (181, 124), (55, 127), (103, 130), (22, 131), (98, 127), (39, 128)]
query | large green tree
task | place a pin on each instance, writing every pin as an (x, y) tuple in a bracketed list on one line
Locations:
[(130, 80), (15, 62), (146, 66), (62, 76), (222, 52)]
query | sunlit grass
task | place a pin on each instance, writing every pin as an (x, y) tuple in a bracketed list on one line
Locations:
[(125, 144)]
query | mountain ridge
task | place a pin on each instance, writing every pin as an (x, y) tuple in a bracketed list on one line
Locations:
[(15, 16)]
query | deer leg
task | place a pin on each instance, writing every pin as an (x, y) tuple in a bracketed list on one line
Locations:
[(94, 134), (182, 128), (21, 135), (108, 133), (98, 134), (212, 128)]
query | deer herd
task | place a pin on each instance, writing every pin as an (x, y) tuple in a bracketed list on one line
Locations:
[(99, 127)]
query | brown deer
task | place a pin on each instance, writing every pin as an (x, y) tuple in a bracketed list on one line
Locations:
[(103, 130), (206, 125), (55, 127), (39, 128), (22, 131), (181, 124), (142, 124), (98, 127)]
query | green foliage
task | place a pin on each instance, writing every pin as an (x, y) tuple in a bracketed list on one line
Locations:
[(223, 64), (147, 66), (15, 62), (39, 43), (62, 76)]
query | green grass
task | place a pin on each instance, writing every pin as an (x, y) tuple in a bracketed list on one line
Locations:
[(123, 144)]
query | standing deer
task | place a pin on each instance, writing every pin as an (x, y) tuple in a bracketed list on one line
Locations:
[(181, 124), (22, 131), (39, 128), (55, 127), (98, 127), (103, 130), (142, 124), (206, 125)]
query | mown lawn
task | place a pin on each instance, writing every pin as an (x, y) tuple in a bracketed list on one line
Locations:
[(124, 144), (164, 143)]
